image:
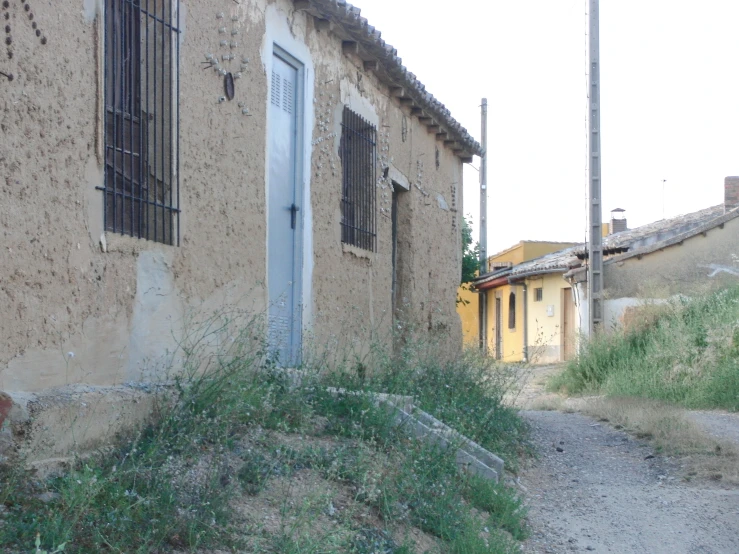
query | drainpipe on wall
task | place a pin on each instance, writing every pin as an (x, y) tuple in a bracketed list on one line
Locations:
[(525, 322)]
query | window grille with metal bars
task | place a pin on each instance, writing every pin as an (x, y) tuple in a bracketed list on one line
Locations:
[(358, 191), (142, 51), (538, 294)]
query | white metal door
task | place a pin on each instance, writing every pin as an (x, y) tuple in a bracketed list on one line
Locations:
[(284, 236)]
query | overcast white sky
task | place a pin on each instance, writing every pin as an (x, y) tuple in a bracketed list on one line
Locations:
[(670, 102)]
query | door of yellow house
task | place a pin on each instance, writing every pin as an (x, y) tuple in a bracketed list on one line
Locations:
[(568, 325)]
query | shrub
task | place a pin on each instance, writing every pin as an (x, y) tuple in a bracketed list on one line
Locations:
[(687, 354)]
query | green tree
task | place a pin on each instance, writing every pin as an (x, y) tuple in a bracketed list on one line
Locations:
[(470, 253), (470, 257)]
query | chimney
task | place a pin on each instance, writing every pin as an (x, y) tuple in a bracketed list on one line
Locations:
[(618, 221), (731, 193)]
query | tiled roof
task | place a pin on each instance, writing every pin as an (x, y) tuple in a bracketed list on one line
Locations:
[(560, 260), (391, 70), (661, 230), (491, 276), (633, 242), (692, 227)]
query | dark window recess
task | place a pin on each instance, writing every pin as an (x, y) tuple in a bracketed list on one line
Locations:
[(141, 190), (512, 310), (358, 190), (538, 294)]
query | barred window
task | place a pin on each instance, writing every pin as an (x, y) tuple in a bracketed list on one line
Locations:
[(141, 190), (538, 294), (358, 193)]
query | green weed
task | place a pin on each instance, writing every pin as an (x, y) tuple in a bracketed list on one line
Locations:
[(685, 354), (172, 484)]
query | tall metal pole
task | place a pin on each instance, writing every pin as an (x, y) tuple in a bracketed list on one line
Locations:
[(484, 224), (595, 240)]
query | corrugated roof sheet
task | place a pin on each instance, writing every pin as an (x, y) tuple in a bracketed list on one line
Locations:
[(394, 73)]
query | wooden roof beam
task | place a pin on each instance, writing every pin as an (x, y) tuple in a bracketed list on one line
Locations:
[(350, 47), (322, 24)]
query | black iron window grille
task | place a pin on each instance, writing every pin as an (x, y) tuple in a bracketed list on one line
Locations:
[(142, 51), (358, 191), (538, 294)]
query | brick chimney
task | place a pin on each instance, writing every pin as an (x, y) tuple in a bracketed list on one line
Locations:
[(731, 193), (618, 221)]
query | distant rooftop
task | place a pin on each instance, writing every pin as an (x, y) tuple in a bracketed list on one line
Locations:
[(640, 240)]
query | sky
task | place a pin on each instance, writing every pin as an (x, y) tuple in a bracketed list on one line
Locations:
[(669, 103)]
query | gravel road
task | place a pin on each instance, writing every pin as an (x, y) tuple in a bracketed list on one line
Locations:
[(597, 489)]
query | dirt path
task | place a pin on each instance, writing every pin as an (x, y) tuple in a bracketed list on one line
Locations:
[(597, 489), (721, 425)]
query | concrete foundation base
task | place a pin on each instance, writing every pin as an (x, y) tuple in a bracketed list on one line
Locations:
[(47, 429)]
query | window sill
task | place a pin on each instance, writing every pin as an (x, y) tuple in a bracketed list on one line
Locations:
[(357, 252), (115, 242)]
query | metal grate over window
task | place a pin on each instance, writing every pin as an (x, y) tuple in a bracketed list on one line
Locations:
[(358, 193), (142, 51), (538, 294)]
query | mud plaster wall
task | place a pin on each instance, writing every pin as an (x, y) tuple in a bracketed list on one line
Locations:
[(75, 312), (116, 311), (353, 287)]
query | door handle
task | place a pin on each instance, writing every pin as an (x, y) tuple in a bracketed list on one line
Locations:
[(293, 212)]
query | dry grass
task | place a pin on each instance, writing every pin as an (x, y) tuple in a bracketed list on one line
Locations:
[(548, 403), (672, 433)]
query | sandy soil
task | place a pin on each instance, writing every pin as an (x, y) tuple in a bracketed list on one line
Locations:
[(597, 489)]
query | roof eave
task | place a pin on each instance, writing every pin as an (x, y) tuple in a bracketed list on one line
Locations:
[(534, 272), (384, 61)]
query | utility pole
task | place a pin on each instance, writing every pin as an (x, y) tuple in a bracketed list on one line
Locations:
[(595, 216), (483, 312)]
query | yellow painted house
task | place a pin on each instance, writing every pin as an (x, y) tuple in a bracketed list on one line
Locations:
[(468, 310), (530, 313)]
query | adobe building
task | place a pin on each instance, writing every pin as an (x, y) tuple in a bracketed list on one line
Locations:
[(171, 158)]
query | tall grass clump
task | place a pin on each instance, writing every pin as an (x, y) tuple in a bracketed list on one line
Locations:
[(460, 387), (228, 428), (687, 352), (167, 485)]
